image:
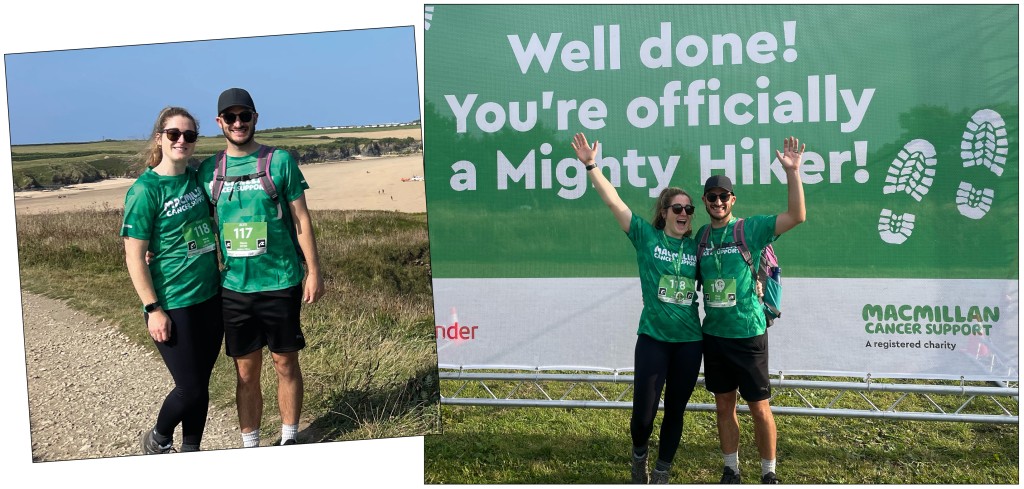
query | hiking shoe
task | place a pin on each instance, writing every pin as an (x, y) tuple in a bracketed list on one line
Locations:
[(639, 468), (729, 477), (659, 476), (770, 478), (150, 446)]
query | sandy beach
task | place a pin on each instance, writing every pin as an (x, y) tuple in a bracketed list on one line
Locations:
[(368, 183)]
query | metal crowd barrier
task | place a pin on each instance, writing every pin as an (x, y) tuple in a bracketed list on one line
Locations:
[(965, 401)]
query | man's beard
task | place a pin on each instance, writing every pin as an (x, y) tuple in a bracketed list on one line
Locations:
[(252, 134)]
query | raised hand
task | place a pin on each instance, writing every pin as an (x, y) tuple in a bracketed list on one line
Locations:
[(792, 153), (584, 152)]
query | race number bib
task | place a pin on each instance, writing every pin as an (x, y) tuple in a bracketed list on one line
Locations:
[(720, 292), (242, 239), (199, 237), (676, 290)]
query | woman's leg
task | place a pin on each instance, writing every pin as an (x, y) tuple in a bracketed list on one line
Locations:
[(196, 337), (683, 367), (650, 364)]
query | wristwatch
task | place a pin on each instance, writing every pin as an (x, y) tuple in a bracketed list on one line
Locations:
[(590, 166), (151, 307)]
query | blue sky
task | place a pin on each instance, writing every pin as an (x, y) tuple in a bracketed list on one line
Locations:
[(350, 77)]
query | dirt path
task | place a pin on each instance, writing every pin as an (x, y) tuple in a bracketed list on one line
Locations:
[(92, 391)]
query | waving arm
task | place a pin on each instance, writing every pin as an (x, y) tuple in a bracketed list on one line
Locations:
[(796, 212), (586, 153)]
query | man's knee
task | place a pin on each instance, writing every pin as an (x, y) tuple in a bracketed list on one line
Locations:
[(287, 364), (725, 403), (248, 368), (760, 410)]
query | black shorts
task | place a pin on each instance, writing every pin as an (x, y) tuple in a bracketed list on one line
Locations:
[(253, 320), (731, 363)]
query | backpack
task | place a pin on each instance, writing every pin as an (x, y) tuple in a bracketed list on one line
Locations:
[(266, 153), (767, 277)]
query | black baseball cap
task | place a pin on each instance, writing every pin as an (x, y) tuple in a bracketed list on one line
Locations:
[(718, 181), (232, 97)]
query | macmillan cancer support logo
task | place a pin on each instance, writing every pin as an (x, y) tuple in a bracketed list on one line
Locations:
[(908, 319)]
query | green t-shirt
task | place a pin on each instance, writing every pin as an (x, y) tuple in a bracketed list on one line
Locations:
[(255, 232), (667, 268), (172, 213), (731, 306)]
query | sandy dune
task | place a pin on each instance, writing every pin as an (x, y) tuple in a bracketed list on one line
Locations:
[(346, 185)]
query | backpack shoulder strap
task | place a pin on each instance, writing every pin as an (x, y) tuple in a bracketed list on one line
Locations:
[(740, 237), (701, 246), (219, 170), (266, 154)]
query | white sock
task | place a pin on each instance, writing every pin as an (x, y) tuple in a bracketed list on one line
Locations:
[(767, 466), (732, 460), (251, 439), (288, 432)]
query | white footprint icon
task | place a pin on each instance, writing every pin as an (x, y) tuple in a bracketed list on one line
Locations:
[(893, 228), (974, 203), (912, 171), (984, 142)]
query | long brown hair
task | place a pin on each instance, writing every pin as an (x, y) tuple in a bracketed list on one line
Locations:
[(663, 200), (152, 155)]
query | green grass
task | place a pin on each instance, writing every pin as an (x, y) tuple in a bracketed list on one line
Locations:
[(485, 445), (370, 365)]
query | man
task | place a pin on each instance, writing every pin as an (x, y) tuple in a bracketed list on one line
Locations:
[(262, 280), (735, 338)]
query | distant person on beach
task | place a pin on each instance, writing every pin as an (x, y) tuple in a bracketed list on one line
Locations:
[(166, 213), (668, 346), (266, 234)]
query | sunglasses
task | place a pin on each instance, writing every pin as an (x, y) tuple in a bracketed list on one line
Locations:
[(679, 208), (174, 134), (229, 118), (713, 197)]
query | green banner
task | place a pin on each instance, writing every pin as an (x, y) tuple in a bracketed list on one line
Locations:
[(909, 113)]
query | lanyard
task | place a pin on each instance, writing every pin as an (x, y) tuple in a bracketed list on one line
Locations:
[(676, 262), (721, 242)]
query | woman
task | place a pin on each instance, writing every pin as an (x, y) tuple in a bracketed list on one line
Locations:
[(668, 345), (166, 212)]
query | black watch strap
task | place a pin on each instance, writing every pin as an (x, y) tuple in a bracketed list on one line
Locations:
[(151, 307), (590, 166)]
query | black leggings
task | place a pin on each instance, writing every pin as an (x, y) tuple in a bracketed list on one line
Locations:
[(196, 335), (674, 366)]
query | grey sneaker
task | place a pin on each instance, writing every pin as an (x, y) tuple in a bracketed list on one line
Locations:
[(729, 477), (659, 476), (770, 478), (150, 446), (639, 468)]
